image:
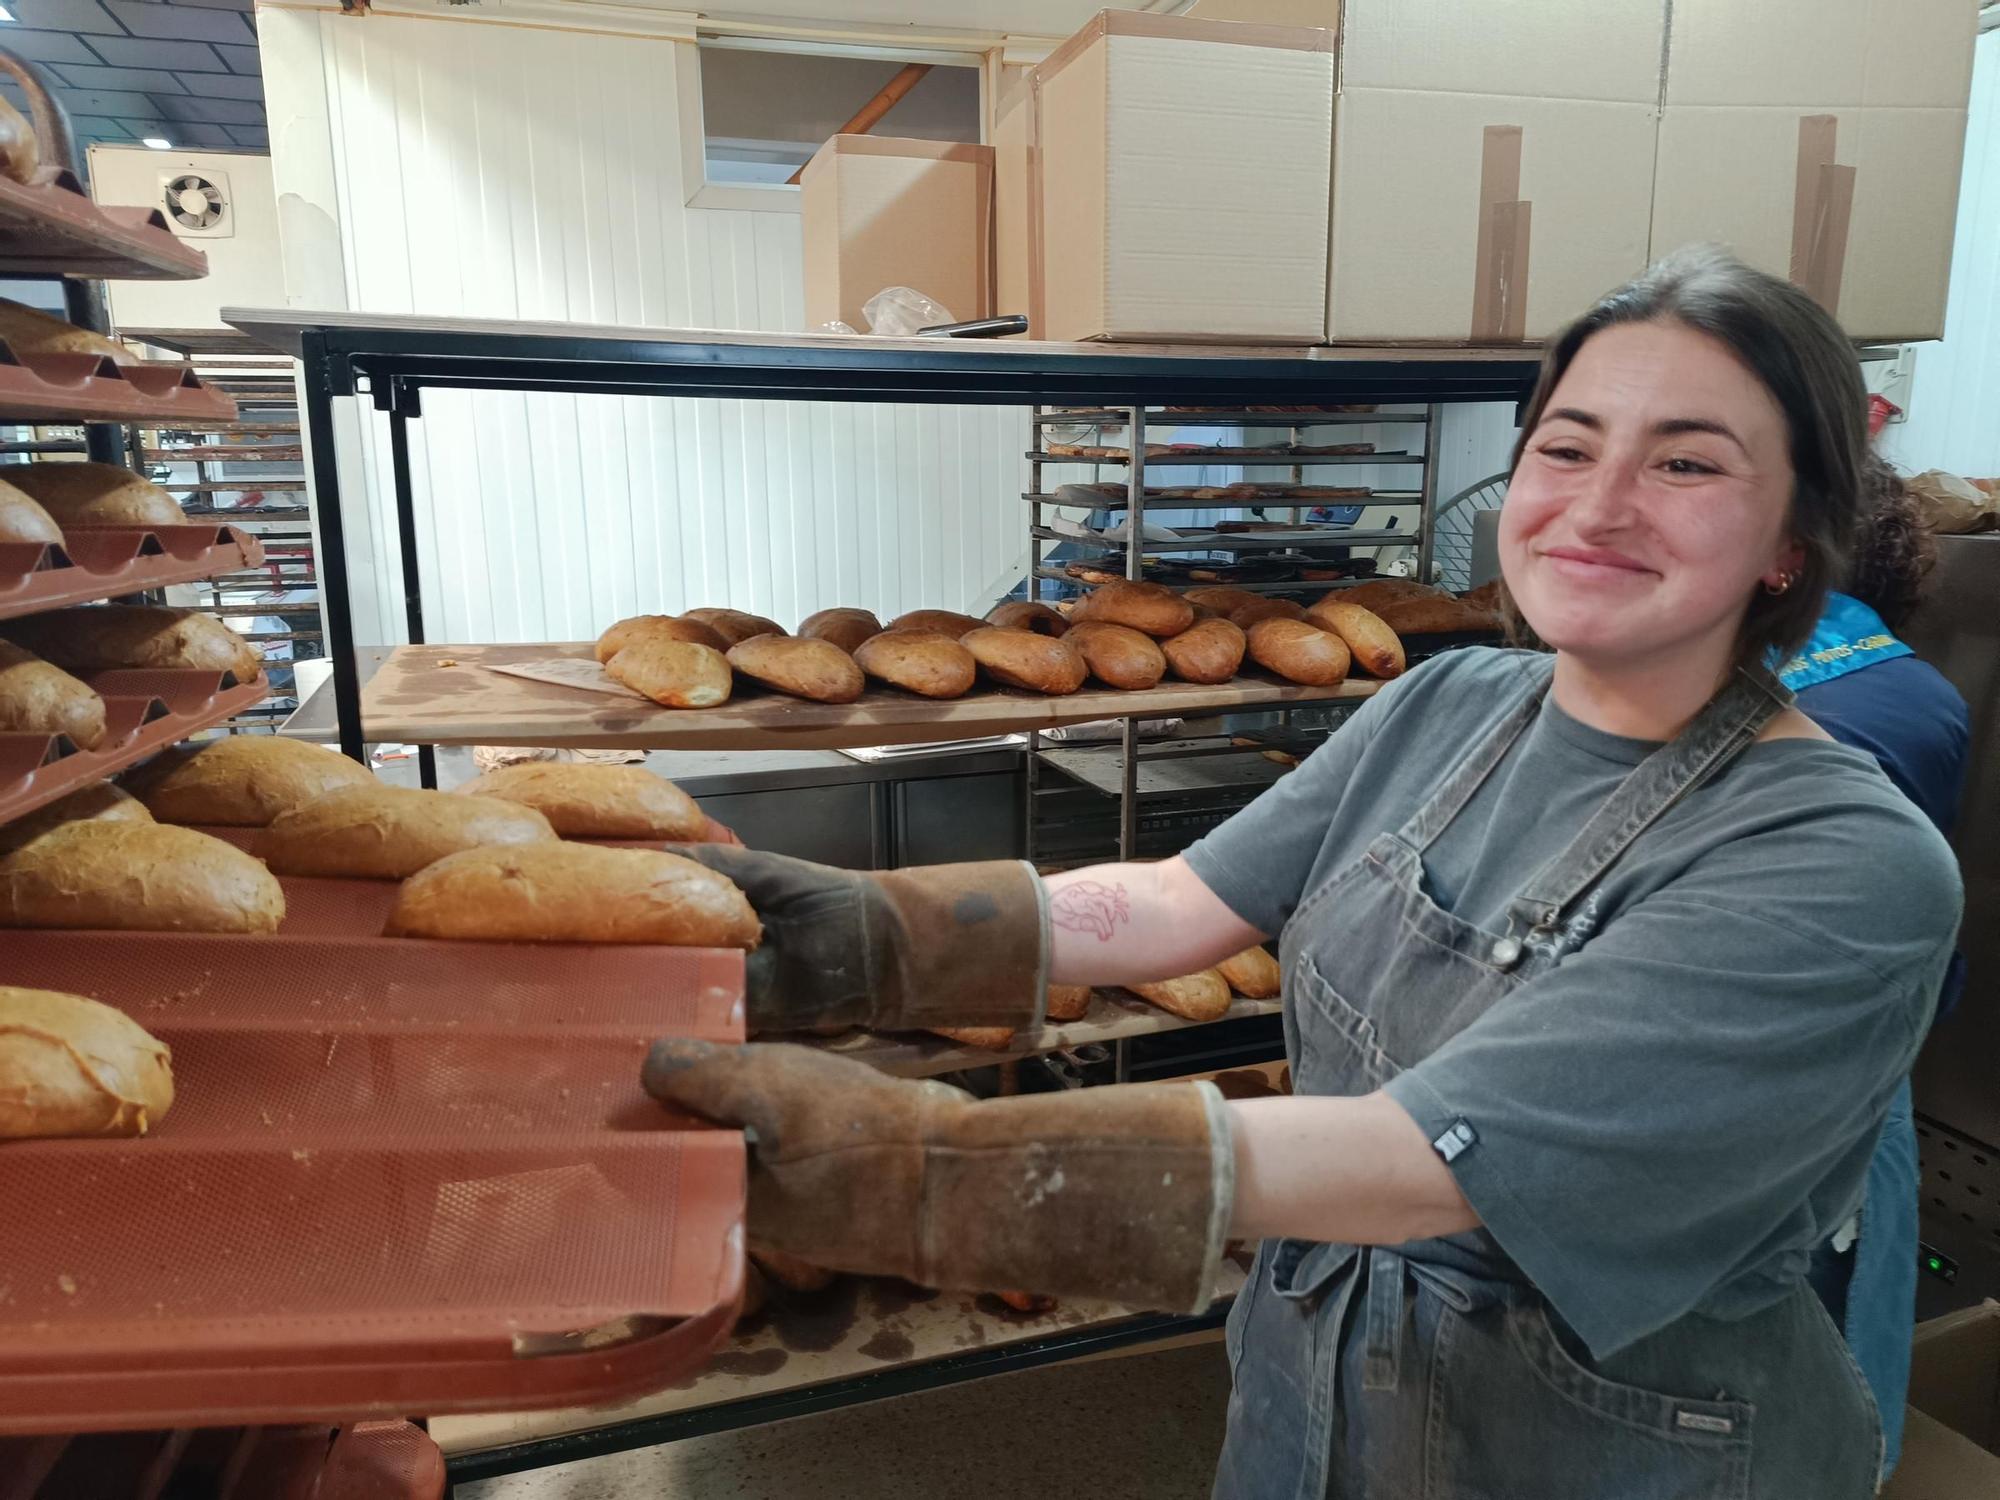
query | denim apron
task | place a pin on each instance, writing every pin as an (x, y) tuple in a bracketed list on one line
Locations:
[(1434, 1370)]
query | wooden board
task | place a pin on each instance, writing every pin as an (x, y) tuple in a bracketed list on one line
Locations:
[(444, 695)]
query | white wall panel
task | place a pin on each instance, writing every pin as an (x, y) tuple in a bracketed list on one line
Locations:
[(484, 169)]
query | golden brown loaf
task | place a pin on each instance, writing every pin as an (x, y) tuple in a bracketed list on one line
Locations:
[(845, 628), (1068, 1002), (574, 893), (30, 332), (947, 621), (1208, 651), (1117, 655), (387, 832), (240, 780), (992, 1038), (813, 669), (1022, 659), (926, 662), (1486, 596), (100, 800), (1151, 607), (662, 627), (25, 519), (1252, 973), (1372, 644), (37, 698), (20, 154), (1197, 997), (735, 625), (86, 495), (1432, 614), (1266, 609), (597, 802), (674, 674), (1376, 592), (1029, 614), (137, 877), (1222, 598), (71, 1066), (100, 637), (1299, 651)]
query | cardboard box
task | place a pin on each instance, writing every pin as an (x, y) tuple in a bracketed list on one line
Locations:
[(882, 211), (1951, 1436), (1180, 173)]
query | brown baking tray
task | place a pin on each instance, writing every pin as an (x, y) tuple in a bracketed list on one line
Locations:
[(399, 1176), (144, 711), (52, 228), (103, 563), (94, 387)]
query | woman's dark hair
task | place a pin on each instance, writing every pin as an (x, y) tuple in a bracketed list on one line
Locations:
[(1799, 354), (1894, 551)]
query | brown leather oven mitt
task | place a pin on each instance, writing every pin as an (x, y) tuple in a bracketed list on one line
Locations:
[(1121, 1193), (936, 945)]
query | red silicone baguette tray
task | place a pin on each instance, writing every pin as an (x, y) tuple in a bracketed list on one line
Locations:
[(103, 562)]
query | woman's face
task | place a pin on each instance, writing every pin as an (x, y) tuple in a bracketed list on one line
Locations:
[(1650, 501)]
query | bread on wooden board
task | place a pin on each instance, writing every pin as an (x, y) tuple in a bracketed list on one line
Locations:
[(101, 637), (948, 621), (574, 893), (1029, 614), (28, 331), (1267, 609), (663, 627), (20, 152), (1434, 614), (240, 780), (75, 1067), (1224, 599), (992, 1038), (1151, 607), (1022, 659), (814, 669), (1253, 973), (1068, 1002), (1371, 643), (25, 520), (597, 802), (387, 832), (674, 674), (1197, 997), (929, 663), (39, 698), (845, 627), (137, 877), (735, 625), (1117, 655), (1299, 651), (1208, 651), (87, 495), (100, 800)]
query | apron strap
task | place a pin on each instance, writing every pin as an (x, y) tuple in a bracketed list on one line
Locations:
[(1458, 788)]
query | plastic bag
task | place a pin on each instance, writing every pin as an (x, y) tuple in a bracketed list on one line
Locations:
[(1953, 505), (836, 326), (899, 311)]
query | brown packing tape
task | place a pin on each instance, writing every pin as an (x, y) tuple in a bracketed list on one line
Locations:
[(1500, 256), (1822, 209), (1816, 146)]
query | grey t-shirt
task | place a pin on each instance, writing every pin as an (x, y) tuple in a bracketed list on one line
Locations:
[(1671, 1116)]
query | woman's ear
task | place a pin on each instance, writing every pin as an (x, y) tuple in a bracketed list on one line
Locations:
[(1785, 567)]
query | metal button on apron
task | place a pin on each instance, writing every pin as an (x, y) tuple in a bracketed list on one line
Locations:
[(1506, 952)]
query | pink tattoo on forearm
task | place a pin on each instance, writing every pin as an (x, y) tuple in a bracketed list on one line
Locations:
[(1090, 906)]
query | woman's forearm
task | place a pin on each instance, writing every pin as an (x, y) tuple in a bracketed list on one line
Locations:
[(1117, 924), (1356, 1171)]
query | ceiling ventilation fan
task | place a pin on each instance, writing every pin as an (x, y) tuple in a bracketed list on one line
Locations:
[(197, 204)]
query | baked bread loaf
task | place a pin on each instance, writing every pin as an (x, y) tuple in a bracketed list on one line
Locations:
[(1117, 655), (1208, 651), (28, 331), (20, 153), (1028, 614), (734, 625), (929, 663), (137, 877), (387, 832), (993, 1038), (661, 627), (71, 1066), (101, 800), (1197, 997), (1267, 609), (1486, 596), (86, 495), (791, 1273), (25, 519), (1299, 651), (674, 674), (1224, 599), (947, 621), (574, 893), (1253, 973), (813, 669), (844, 627), (101, 637), (37, 698), (1151, 607), (240, 780), (1022, 659), (597, 802), (1068, 1002), (1435, 613), (1372, 644), (1377, 592)]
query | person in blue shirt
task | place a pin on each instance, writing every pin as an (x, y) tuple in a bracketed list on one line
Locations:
[(1867, 689)]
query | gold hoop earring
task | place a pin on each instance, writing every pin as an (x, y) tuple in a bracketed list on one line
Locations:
[(1782, 586)]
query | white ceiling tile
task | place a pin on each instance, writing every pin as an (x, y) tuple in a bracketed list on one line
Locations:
[(151, 52), (191, 23)]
